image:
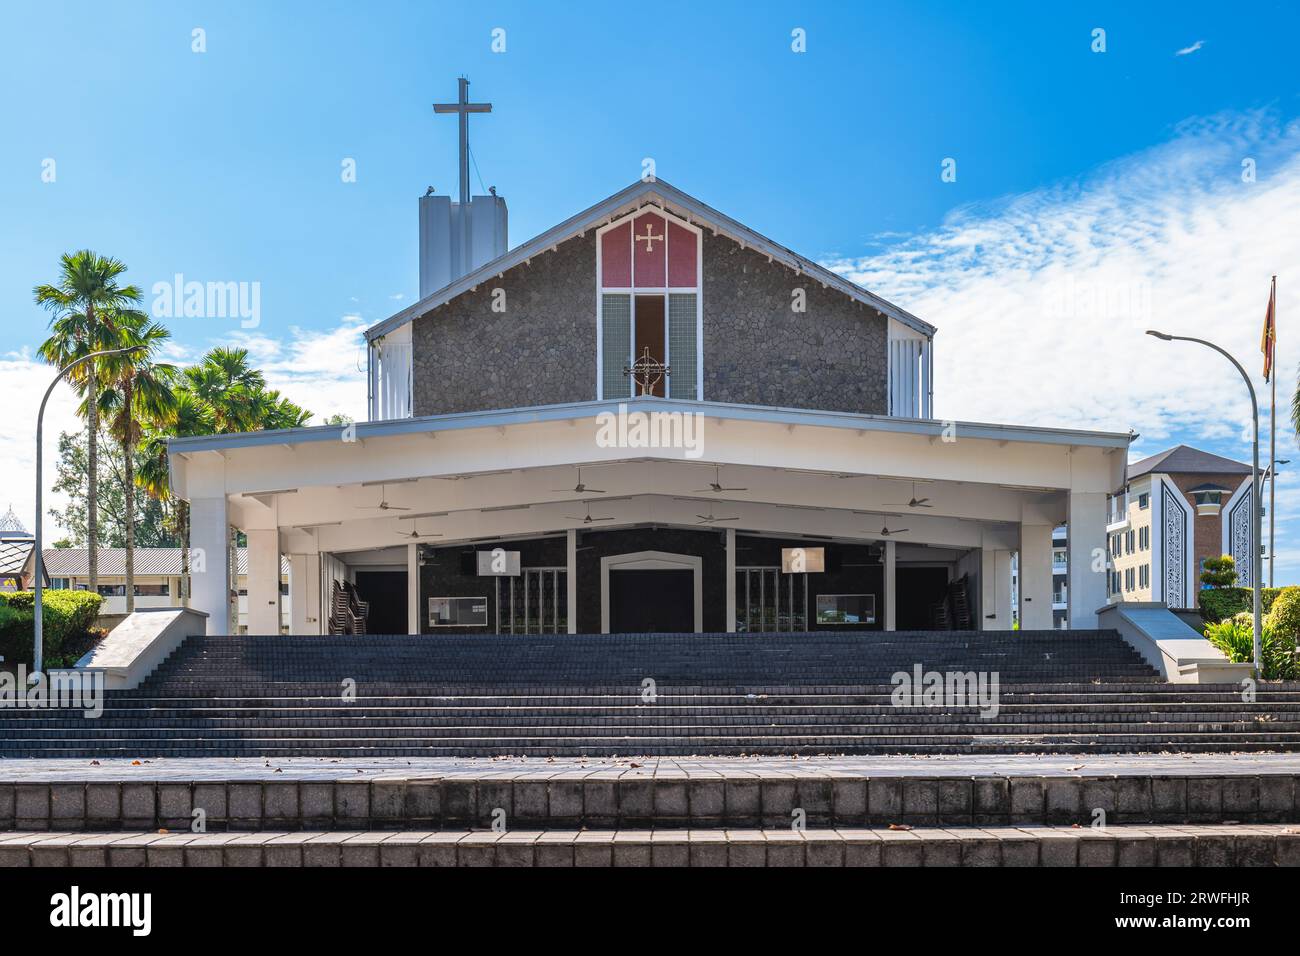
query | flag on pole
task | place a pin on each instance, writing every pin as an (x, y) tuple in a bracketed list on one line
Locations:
[(1269, 340)]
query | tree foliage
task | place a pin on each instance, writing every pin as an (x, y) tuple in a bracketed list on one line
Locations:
[(1220, 572), (153, 528)]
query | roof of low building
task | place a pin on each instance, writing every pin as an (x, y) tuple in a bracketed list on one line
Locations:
[(75, 562), (1186, 460), (14, 556)]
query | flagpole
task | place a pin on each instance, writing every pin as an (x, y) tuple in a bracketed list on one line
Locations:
[(1272, 432)]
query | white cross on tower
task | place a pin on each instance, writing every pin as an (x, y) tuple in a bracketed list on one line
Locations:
[(464, 107), (649, 238)]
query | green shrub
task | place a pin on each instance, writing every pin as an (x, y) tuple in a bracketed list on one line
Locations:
[(68, 619), (1235, 637), (1219, 604), (1284, 616), (1220, 572)]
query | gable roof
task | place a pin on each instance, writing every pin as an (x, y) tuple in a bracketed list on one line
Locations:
[(670, 199), (1184, 460)]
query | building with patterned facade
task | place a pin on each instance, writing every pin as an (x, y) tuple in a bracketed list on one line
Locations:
[(1176, 509)]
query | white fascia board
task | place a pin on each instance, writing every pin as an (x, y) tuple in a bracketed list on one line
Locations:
[(578, 411)]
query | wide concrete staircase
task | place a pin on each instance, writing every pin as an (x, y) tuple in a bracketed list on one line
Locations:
[(594, 695), (1194, 811)]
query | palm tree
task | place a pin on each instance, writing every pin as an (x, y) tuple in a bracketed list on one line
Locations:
[(83, 302), (191, 416), (135, 390)]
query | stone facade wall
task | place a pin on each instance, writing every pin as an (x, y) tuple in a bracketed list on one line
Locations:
[(542, 349), (833, 357)]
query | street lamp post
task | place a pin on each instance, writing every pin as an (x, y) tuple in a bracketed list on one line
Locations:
[(38, 645), (1256, 525), (1271, 475)]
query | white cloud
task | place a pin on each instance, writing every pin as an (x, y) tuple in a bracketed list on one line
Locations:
[(1042, 299), (25, 380), (324, 371), (1190, 49)]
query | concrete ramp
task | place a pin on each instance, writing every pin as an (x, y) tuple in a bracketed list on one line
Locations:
[(134, 649), (1179, 653)]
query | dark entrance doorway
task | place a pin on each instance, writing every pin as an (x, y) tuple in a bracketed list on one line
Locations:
[(919, 590), (386, 592), (651, 602)]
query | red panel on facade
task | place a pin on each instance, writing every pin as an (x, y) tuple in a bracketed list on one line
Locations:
[(616, 257), (681, 256), (648, 253)]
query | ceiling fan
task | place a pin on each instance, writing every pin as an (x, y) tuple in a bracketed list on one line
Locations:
[(580, 488), (715, 485), (710, 518), (886, 531), (414, 534), (383, 502), (588, 519), (914, 503)]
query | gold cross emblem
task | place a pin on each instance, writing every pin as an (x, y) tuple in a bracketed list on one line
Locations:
[(649, 238)]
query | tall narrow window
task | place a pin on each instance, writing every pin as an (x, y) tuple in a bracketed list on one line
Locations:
[(649, 270)]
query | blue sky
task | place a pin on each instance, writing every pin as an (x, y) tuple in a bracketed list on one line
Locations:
[(1116, 171)]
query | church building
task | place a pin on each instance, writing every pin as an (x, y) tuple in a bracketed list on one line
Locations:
[(649, 418)]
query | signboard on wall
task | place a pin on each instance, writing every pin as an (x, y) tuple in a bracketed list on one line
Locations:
[(803, 560), (498, 563)]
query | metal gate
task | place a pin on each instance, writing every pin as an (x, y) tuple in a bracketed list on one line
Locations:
[(768, 600), (535, 602)]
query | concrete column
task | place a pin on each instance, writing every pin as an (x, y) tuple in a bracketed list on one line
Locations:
[(1035, 577), (731, 580), (413, 588), (891, 586), (209, 568), (1087, 565), (571, 577), (995, 589), (263, 581), (304, 594)]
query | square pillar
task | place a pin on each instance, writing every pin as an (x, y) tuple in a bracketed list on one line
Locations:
[(209, 566), (304, 594), (1035, 577), (263, 581), (1086, 561), (413, 588), (995, 590), (731, 580), (571, 577), (891, 585)]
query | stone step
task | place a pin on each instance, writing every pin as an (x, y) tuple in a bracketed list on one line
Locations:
[(648, 728), (1138, 846), (578, 746), (732, 793)]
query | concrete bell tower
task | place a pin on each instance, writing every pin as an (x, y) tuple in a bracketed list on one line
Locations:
[(458, 237)]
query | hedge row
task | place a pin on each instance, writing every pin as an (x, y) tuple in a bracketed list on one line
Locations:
[(1221, 604), (68, 619)]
